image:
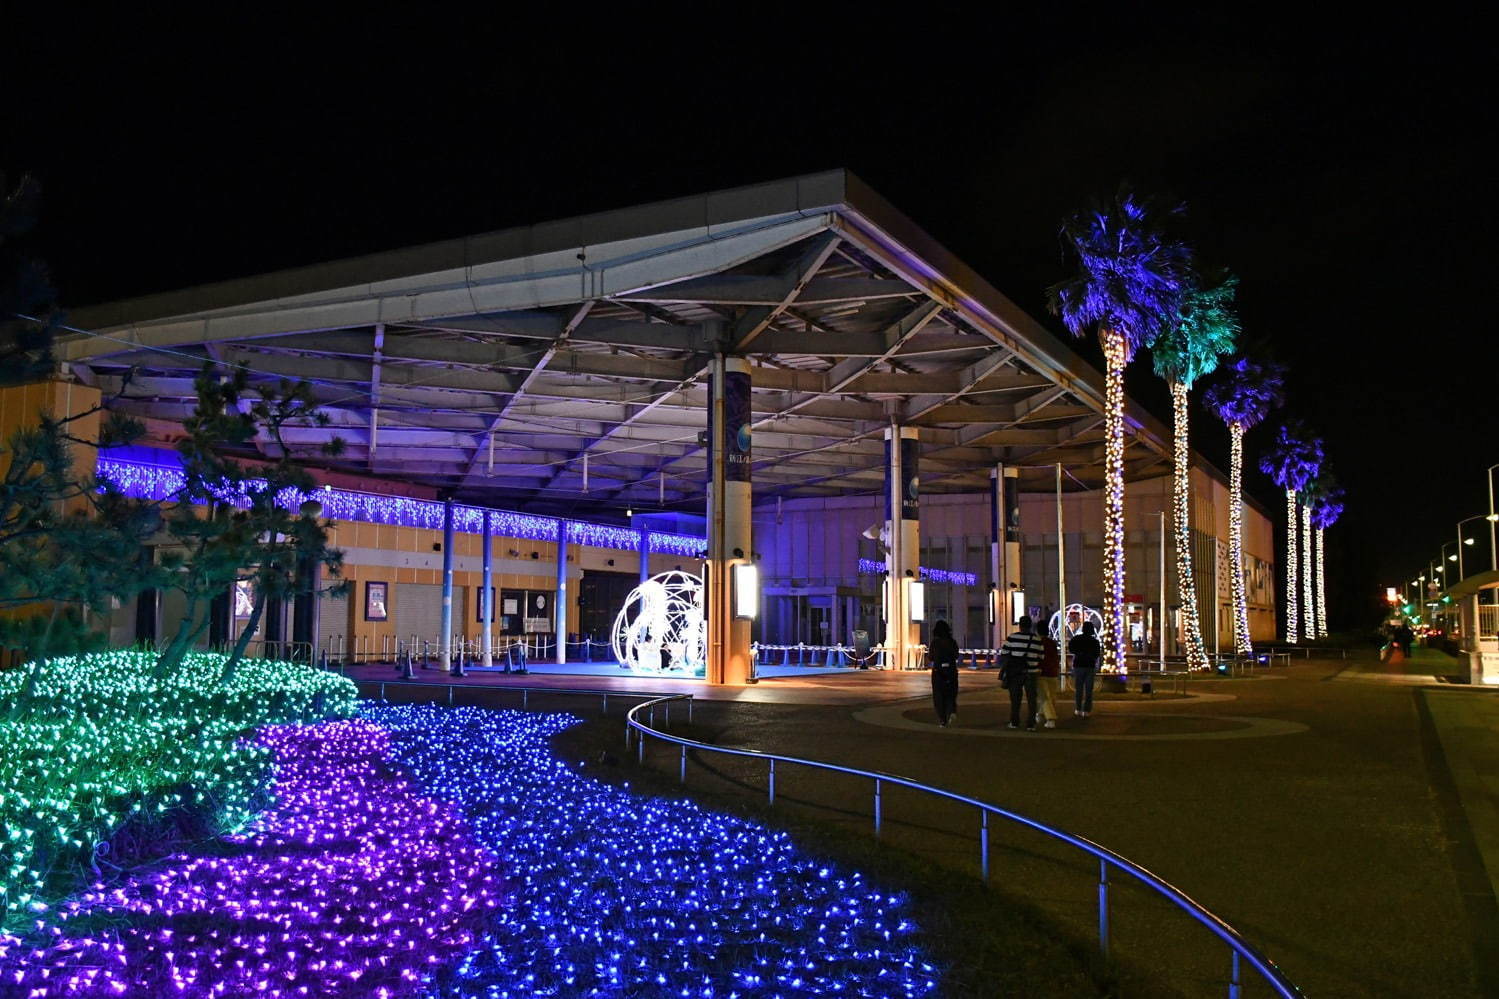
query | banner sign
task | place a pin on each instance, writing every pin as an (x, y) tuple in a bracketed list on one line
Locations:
[(736, 431)]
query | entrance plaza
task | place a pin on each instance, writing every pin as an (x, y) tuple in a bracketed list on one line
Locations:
[(717, 381), (1340, 813)]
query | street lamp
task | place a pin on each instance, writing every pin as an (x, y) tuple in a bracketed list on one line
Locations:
[(1464, 542)]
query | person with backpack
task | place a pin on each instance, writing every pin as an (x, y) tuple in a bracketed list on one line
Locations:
[(943, 656), (1085, 652), (1020, 665)]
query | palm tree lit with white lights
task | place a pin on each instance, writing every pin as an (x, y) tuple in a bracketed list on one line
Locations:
[(1292, 460), (1242, 400), (1131, 275), (1326, 506), (1206, 331)]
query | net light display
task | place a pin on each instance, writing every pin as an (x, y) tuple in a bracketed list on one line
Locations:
[(353, 884), (164, 482), (108, 759), (614, 894)]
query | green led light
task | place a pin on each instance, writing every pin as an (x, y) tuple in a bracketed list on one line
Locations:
[(107, 765)]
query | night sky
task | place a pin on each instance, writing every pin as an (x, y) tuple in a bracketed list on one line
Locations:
[(1338, 170)]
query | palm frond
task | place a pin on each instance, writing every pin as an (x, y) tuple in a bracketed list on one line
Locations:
[(1131, 271), (1294, 458), (1207, 329), (1248, 392)]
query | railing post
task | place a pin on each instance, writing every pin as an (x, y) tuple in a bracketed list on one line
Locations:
[(876, 807), (984, 843), (450, 695), (606, 705), (772, 782), (684, 765), (627, 733), (666, 708), (640, 746), (1234, 989), (525, 697), (1103, 907), (689, 709)]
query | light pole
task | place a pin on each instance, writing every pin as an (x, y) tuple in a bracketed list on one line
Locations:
[(1492, 518), (1462, 542)]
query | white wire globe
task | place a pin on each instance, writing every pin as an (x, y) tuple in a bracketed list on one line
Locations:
[(1076, 615), (664, 612)]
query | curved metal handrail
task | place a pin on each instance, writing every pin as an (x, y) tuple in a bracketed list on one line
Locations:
[(1238, 946)]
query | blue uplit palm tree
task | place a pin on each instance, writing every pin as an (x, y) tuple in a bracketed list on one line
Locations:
[(1326, 504), (1292, 461), (1205, 332), (1131, 275), (1242, 400)]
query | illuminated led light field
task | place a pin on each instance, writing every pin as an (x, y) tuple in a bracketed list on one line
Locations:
[(110, 766), (353, 884), (619, 895)]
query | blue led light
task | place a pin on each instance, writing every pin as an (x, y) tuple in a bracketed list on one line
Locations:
[(869, 566), (164, 482), (612, 894)]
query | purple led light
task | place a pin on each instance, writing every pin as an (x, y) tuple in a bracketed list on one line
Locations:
[(869, 566), (352, 885)]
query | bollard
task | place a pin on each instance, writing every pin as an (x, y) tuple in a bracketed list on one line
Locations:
[(828, 662), (785, 655), (772, 782), (684, 765), (1234, 984), (876, 808)]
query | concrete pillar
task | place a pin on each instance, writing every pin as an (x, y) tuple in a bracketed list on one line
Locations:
[(903, 529), (486, 589), (729, 527), (559, 599), (1004, 546), (445, 640)]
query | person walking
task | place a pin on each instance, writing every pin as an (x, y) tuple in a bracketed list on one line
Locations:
[(1020, 664), (1085, 651), (942, 653)]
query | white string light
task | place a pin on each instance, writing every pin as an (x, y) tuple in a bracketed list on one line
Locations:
[(1242, 643), (1292, 614), (1308, 605), (1113, 503), (1197, 657)]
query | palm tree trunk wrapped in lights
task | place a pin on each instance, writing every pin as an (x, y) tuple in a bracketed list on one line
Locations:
[(1243, 644), (1293, 531), (1181, 509), (1242, 400), (1128, 287), (1308, 580), (1114, 637), (1321, 587)]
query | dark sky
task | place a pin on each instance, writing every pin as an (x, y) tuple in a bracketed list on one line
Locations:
[(1340, 170)]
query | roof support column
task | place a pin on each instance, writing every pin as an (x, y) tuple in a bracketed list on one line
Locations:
[(486, 590), (1004, 550), (729, 532), (559, 599), (904, 591), (445, 640)]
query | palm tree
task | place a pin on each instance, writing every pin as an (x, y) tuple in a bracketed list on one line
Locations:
[(1131, 275), (1291, 462), (1326, 506), (1191, 349), (1243, 400)]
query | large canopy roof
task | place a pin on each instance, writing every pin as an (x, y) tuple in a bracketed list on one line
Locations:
[(495, 365)]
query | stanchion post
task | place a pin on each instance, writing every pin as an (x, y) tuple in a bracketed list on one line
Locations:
[(876, 807), (684, 765), (772, 782), (984, 843), (1103, 907)]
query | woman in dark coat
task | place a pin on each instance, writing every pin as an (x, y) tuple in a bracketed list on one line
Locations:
[(943, 656)]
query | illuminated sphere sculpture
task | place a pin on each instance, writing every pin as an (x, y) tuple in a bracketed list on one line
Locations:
[(660, 628), (1076, 615)]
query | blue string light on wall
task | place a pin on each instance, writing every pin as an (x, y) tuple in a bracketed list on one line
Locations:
[(873, 567), (164, 482)]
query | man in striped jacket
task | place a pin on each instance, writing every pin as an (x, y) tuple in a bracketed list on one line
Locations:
[(1019, 666)]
